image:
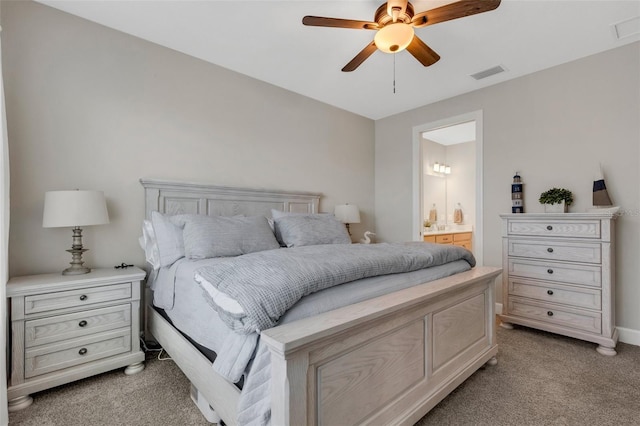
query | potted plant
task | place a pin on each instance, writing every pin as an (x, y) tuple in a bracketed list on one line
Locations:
[(556, 200)]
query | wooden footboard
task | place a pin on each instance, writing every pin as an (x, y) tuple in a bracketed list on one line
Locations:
[(388, 360)]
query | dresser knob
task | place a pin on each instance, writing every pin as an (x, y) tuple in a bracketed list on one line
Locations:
[(82, 323), (550, 292), (549, 228), (550, 250), (82, 351), (550, 271), (83, 297), (550, 313)]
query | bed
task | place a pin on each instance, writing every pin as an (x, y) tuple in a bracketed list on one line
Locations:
[(384, 360)]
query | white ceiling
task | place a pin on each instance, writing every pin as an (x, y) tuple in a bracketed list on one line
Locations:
[(452, 135), (266, 40)]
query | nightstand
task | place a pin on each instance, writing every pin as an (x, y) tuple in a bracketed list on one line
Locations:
[(68, 327)]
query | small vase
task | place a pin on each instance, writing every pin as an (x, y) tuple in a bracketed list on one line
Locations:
[(556, 208)]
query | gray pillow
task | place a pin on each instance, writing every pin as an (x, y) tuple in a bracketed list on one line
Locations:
[(311, 229), (276, 214), (220, 236)]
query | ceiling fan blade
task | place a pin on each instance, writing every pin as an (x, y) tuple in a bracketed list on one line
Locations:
[(319, 21), (360, 57), (456, 10), (422, 52)]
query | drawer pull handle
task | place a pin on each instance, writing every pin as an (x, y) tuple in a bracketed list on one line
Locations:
[(550, 271), (549, 228), (83, 297), (82, 323), (550, 292), (83, 351), (550, 313), (550, 250)]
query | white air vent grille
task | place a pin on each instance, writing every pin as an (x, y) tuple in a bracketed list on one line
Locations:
[(489, 72), (627, 28)]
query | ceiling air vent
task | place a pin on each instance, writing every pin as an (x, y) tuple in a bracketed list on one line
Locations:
[(489, 72), (628, 28)]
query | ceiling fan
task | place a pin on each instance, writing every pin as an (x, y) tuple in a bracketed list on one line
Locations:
[(394, 22)]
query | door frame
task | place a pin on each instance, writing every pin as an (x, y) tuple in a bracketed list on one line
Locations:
[(418, 172)]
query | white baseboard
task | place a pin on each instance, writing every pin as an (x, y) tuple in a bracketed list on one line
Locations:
[(629, 335), (625, 335)]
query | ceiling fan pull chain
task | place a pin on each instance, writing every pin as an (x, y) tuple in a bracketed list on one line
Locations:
[(394, 73)]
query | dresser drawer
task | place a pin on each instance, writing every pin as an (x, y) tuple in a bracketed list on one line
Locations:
[(588, 275), (61, 327), (556, 293), (444, 239), (554, 314), (555, 228), (556, 250), (74, 298), (465, 244), (461, 237), (56, 356)]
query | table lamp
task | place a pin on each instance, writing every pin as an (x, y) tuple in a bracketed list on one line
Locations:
[(347, 213), (75, 209)]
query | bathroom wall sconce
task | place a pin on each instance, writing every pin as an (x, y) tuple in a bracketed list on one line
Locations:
[(441, 168)]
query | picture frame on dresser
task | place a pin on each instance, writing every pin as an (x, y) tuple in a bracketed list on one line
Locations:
[(559, 275)]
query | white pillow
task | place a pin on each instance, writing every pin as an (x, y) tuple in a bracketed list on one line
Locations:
[(149, 244), (168, 238)]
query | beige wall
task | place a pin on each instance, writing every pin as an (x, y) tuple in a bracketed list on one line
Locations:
[(554, 127), (93, 108)]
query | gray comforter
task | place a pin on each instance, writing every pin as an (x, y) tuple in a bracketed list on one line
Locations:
[(266, 284)]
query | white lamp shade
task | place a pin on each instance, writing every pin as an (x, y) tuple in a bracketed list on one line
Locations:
[(394, 37), (347, 213), (74, 208)]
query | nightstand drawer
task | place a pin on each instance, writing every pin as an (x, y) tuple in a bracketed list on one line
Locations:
[(73, 298), (555, 228), (556, 250), (56, 356), (588, 275), (550, 313), (556, 293), (61, 327)]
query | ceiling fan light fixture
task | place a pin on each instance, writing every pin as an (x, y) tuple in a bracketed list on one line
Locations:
[(394, 38)]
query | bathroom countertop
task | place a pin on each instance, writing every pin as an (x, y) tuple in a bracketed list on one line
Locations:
[(456, 230)]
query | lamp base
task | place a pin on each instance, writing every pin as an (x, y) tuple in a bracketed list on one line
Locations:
[(76, 271), (76, 251)]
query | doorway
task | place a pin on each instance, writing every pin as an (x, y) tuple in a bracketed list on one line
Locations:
[(443, 184)]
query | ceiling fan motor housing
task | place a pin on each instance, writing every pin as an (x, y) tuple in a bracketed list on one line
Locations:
[(382, 16)]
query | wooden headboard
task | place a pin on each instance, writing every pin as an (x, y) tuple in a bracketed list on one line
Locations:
[(172, 198)]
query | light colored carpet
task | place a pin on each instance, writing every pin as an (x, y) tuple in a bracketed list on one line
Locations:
[(540, 379)]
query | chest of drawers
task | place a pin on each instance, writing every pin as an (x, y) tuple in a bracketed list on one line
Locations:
[(65, 328), (558, 275)]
